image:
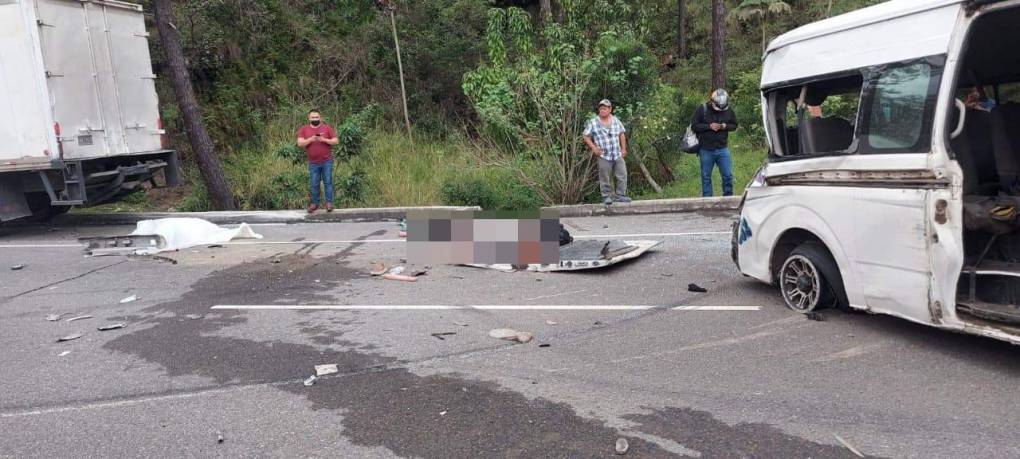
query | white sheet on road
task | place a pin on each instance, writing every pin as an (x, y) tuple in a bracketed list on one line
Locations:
[(181, 233)]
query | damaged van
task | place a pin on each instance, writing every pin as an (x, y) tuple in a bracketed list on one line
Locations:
[(893, 179)]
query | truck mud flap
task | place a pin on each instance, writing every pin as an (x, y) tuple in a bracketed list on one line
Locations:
[(12, 200)]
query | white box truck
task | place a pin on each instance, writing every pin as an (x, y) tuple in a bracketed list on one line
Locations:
[(79, 115)]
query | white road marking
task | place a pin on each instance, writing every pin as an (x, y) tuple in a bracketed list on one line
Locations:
[(57, 244), (483, 307), (553, 296)]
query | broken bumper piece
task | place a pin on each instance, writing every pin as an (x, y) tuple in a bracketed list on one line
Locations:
[(588, 254)]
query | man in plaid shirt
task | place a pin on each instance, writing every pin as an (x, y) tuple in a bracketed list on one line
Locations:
[(607, 139)]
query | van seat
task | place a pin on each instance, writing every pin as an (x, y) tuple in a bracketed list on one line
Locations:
[(1005, 123), (826, 135), (973, 150)]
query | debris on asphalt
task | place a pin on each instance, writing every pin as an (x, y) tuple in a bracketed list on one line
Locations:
[(551, 322), (666, 274), (275, 261), (460, 324), (396, 270), (311, 380), (814, 316), (86, 316), (195, 316), (544, 345), (328, 369), (182, 233), (420, 271), (442, 413), (63, 353), (219, 437), (69, 337), (55, 317), (848, 445), (378, 269), (17, 267), (129, 299), (440, 335), (161, 258), (215, 246), (583, 255), (622, 446), (605, 226), (696, 288), (112, 327), (510, 334), (598, 322), (406, 278)]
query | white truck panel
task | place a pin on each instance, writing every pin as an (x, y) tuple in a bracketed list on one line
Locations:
[(26, 127), (100, 77)]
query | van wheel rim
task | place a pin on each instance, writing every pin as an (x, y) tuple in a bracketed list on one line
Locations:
[(801, 284)]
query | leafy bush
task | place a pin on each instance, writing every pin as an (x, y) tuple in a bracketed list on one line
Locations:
[(492, 189)]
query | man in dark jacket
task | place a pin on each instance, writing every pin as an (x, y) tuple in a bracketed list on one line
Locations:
[(712, 123)]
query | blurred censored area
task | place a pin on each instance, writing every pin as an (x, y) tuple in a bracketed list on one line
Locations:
[(483, 237)]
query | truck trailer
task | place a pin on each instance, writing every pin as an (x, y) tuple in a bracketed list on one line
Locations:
[(79, 114)]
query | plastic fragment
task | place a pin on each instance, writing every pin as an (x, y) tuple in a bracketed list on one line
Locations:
[(311, 380), (328, 369), (55, 317), (696, 288), (195, 316), (112, 327), (440, 335), (129, 299), (86, 316), (17, 267), (622, 445), (69, 337), (63, 353)]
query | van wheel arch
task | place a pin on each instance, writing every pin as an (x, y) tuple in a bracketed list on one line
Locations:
[(827, 264)]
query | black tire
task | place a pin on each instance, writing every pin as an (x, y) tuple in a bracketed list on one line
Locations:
[(809, 279)]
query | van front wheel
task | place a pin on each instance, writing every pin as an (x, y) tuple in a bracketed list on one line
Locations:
[(801, 281)]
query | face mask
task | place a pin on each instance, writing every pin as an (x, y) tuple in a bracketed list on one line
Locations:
[(316, 122)]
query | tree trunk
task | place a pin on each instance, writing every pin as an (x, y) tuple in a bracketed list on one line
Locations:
[(648, 176), (681, 29), (545, 9), (201, 144), (718, 44)]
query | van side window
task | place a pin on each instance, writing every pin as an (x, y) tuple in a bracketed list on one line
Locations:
[(817, 118), (901, 108)]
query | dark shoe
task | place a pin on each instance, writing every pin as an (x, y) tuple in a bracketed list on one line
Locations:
[(607, 200), (312, 208), (623, 199), (329, 207)]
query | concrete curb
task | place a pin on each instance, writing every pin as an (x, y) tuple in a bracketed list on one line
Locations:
[(654, 206)]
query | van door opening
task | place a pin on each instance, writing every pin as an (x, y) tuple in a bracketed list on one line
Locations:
[(987, 148)]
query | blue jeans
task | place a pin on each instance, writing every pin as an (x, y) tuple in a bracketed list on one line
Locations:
[(321, 172), (709, 158)]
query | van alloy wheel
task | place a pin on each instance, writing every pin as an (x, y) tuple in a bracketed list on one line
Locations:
[(801, 284)]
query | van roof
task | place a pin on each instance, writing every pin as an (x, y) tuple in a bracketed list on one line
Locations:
[(888, 32)]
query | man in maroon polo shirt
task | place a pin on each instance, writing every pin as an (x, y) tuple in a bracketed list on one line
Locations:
[(318, 138)]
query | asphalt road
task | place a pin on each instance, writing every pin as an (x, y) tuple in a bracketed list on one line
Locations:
[(745, 383)]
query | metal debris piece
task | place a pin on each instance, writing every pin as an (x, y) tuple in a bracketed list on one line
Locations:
[(129, 299), (328, 369), (123, 245), (69, 337), (311, 380), (378, 269), (86, 316), (696, 288), (17, 267), (55, 317), (63, 353), (400, 277), (666, 275), (814, 316), (195, 316), (622, 446), (460, 324), (442, 413), (440, 335), (544, 345), (848, 445), (112, 327)]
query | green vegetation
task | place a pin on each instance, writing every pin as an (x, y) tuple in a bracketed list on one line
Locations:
[(497, 97)]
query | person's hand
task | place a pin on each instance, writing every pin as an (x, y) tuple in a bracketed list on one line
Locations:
[(623, 154), (715, 126), (597, 151)]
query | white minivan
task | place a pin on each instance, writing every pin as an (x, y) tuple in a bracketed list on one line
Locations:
[(892, 179)]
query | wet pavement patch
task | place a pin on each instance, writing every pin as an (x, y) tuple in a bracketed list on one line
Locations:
[(700, 431), (390, 407)]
